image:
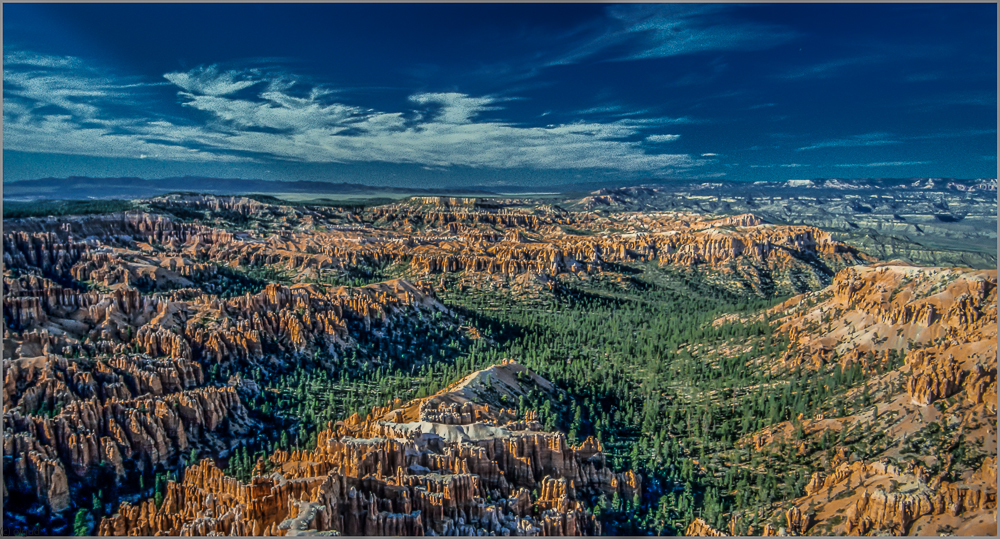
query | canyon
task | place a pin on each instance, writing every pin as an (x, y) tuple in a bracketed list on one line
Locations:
[(142, 344)]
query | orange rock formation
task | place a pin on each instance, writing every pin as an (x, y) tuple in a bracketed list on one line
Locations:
[(376, 476)]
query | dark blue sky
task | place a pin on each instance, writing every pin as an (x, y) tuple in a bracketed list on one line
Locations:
[(530, 94)]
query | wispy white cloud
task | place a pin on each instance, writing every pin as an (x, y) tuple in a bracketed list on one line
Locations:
[(777, 165), (60, 105), (613, 109), (976, 99), (673, 34), (456, 108), (64, 134), (33, 59), (35, 81), (275, 110), (831, 68), (953, 133), (662, 138), (881, 139), (209, 81), (250, 116), (884, 164), (662, 30), (866, 139), (36, 90)]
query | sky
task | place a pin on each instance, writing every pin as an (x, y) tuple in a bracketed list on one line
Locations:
[(446, 95)]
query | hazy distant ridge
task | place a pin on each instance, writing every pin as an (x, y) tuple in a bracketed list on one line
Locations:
[(81, 187), (86, 187)]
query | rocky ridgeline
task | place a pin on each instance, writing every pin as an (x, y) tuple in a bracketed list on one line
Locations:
[(21, 236), (375, 476), (111, 271), (51, 382), (114, 374), (460, 245), (944, 320), (758, 242), (43, 250), (64, 418), (43, 317), (898, 295), (667, 239), (942, 323), (110, 380), (896, 511), (142, 409), (699, 528), (885, 218), (463, 414), (500, 241), (111, 250), (462, 211), (876, 509), (240, 205), (797, 524)]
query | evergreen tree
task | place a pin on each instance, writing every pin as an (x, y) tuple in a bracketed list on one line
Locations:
[(662, 515), (80, 525)]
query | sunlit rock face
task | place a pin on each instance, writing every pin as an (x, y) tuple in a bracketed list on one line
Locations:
[(449, 464), (925, 340)]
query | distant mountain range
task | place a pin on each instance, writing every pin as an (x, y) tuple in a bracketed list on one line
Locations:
[(80, 187)]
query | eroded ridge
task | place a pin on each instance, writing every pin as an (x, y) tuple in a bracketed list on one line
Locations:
[(449, 464), (925, 340), (495, 240)]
